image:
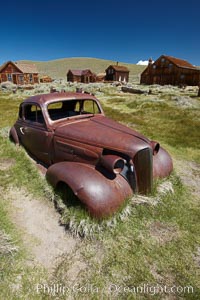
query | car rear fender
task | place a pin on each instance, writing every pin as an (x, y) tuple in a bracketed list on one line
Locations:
[(100, 191), (13, 135)]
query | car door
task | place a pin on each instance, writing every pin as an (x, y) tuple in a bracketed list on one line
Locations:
[(33, 133)]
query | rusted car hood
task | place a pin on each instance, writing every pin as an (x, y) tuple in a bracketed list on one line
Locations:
[(104, 133)]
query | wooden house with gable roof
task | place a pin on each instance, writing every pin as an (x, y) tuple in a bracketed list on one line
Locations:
[(117, 73), (84, 76), (170, 70), (19, 73)]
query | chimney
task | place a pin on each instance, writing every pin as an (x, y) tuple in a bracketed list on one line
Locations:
[(150, 61)]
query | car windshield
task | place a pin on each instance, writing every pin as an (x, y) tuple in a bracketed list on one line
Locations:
[(72, 108)]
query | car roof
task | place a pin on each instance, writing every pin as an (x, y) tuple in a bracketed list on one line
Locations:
[(57, 96)]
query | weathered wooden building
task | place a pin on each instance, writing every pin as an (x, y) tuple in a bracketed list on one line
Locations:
[(117, 73), (45, 79), (170, 70), (84, 76), (19, 73), (100, 77)]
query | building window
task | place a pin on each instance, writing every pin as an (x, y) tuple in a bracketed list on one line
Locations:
[(31, 77), (154, 66), (9, 77), (162, 59)]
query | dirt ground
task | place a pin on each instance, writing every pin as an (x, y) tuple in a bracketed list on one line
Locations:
[(43, 237), (189, 173)]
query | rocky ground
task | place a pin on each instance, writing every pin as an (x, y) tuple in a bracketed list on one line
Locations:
[(183, 93)]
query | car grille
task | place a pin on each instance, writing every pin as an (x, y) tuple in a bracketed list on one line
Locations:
[(143, 162)]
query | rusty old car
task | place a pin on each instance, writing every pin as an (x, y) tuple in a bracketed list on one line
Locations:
[(102, 161)]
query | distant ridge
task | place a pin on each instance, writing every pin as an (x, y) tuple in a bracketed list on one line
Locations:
[(58, 68)]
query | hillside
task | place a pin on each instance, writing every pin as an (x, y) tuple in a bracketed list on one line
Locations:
[(59, 67)]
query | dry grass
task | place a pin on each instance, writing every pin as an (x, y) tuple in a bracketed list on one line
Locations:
[(7, 246)]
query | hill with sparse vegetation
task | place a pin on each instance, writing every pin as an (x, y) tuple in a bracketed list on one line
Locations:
[(59, 67)]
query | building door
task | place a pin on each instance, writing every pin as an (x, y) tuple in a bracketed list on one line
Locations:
[(14, 78)]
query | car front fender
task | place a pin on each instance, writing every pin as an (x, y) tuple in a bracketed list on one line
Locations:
[(162, 164), (100, 191)]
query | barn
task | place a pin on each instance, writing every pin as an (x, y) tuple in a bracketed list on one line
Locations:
[(19, 73), (84, 76), (117, 73), (170, 70)]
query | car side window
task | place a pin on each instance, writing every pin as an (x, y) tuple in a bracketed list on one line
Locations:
[(90, 107), (33, 113)]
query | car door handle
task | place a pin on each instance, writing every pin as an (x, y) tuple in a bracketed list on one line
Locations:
[(22, 130)]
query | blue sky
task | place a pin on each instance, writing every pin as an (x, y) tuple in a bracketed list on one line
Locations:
[(125, 31)]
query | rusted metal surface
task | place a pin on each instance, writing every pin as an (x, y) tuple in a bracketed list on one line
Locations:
[(112, 163), (162, 164), (144, 169), (102, 192), (102, 161)]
